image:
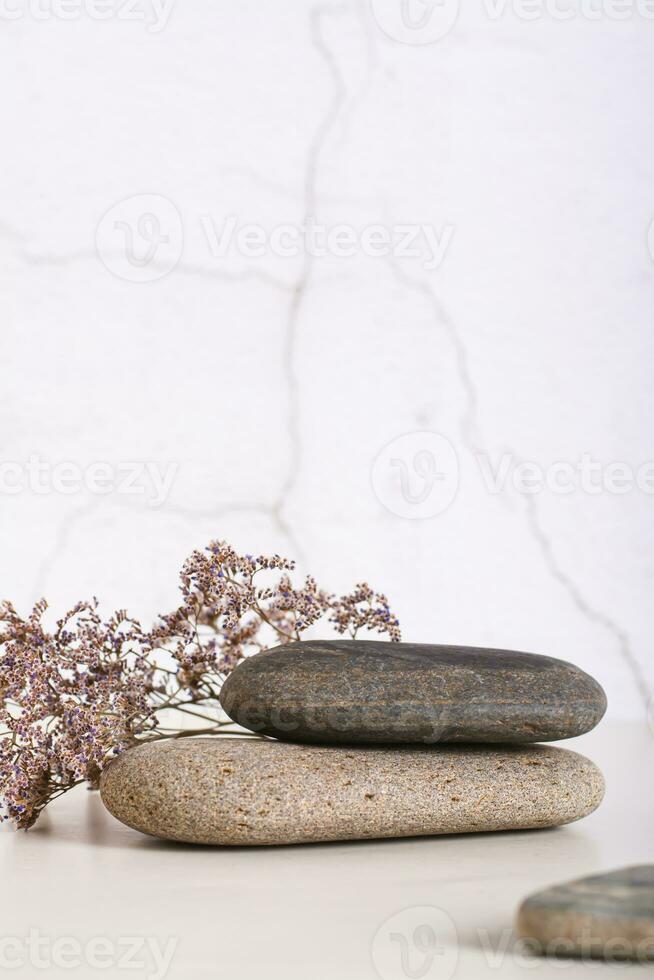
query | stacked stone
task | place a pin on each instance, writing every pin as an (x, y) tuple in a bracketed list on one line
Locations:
[(370, 739)]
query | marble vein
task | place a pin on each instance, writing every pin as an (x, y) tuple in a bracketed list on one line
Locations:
[(469, 430)]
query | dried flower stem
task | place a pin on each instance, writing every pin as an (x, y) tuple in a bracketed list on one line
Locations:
[(73, 699)]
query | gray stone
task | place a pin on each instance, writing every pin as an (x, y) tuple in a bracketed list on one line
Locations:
[(606, 916), (367, 692), (257, 791)]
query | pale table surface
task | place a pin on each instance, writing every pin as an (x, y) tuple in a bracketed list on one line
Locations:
[(315, 911)]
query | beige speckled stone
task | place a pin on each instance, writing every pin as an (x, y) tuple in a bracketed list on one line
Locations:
[(251, 791)]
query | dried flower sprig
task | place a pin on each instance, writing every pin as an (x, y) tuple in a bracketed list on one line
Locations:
[(73, 698)]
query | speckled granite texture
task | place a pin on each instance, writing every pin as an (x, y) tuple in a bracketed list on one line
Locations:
[(608, 916), (371, 692), (251, 791)]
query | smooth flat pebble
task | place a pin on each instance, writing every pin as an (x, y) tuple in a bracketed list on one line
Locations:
[(258, 791), (371, 692), (606, 916)]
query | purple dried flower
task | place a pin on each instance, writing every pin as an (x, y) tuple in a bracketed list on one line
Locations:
[(73, 698)]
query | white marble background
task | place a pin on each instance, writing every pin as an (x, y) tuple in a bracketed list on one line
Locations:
[(272, 383)]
